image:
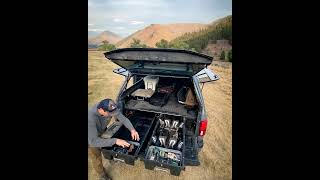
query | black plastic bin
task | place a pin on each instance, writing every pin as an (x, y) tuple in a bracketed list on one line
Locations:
[(155, 165), (142, 121)]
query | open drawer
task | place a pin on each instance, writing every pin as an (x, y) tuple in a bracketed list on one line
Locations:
[(142, 122), (154, 161)]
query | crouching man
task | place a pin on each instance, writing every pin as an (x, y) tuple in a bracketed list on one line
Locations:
[(99, 117)]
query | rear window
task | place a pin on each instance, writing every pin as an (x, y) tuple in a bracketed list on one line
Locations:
[(166, 66)]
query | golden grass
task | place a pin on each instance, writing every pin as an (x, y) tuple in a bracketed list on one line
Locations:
[(215, 157)]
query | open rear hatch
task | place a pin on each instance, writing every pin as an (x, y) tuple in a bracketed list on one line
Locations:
[(171, 62)]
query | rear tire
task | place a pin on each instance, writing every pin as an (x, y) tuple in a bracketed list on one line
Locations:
[(175, 172), (149, 166)]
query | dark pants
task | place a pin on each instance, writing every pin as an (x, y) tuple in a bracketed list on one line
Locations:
[(96, 159)]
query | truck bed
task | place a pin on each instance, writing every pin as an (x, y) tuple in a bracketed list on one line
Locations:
[(172, 107)]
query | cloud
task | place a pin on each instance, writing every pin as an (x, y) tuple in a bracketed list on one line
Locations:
[(119, 28), (136, 22), (136, 3), (117, 20), (90, 24), (96, 30)]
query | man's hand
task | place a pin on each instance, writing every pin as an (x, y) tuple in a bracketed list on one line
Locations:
[(122, 143), (135, 135)]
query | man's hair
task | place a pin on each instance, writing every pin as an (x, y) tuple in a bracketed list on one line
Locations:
[(105, 105)]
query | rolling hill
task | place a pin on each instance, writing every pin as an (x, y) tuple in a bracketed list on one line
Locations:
[(105, 35), (155, 32)]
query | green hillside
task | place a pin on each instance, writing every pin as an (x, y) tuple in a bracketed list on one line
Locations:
[(197, 41)]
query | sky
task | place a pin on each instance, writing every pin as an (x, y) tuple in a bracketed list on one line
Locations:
[(124, 17)]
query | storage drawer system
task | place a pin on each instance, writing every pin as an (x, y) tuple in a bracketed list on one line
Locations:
[(161, 119), (143, 124), (166, 152), (161, 145)]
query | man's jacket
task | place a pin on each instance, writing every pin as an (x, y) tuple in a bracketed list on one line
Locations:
[(97, 126)]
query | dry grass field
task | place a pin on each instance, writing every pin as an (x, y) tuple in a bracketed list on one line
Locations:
[(215, 157)]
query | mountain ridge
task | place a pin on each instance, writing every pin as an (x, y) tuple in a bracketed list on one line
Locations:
[(153, 33), (109, 36)]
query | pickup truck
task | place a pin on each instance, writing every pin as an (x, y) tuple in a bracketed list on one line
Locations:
[(177, 75)]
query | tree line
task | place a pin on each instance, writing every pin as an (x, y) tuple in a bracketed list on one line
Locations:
[(199, 40)]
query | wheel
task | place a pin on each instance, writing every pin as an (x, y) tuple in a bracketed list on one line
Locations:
[(175, 172), (149, 166)]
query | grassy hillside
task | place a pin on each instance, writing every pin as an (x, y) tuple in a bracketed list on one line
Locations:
[(220, 29)]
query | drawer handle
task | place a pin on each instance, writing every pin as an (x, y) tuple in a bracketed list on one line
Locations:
[(161, 169), (117, 159)]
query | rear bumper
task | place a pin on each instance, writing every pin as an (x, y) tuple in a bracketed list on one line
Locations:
[(200, 142)]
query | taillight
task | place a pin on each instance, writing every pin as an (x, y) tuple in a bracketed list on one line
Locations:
[(203, 127)]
